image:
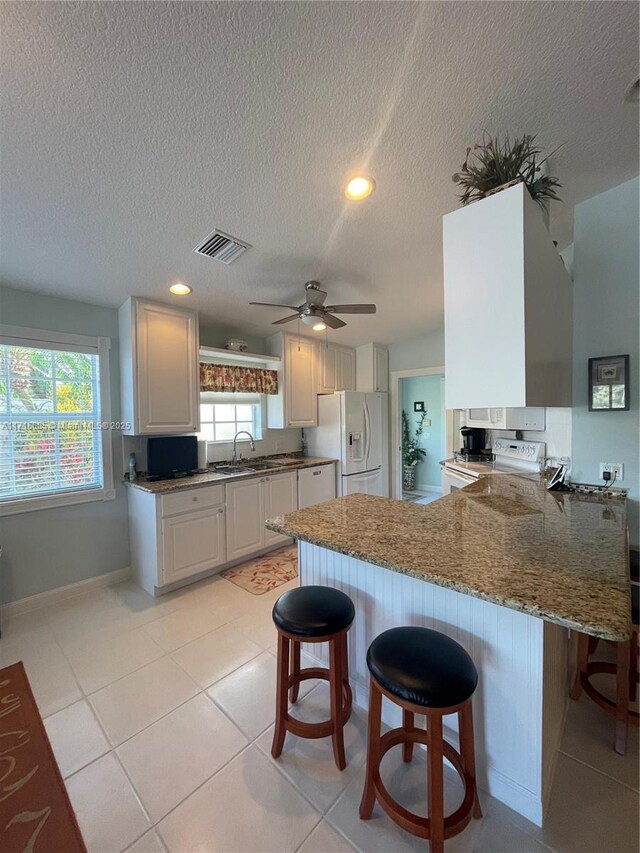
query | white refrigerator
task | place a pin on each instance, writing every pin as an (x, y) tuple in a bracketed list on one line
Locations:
[(352, 428)]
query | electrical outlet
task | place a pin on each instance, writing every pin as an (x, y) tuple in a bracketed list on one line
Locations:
[(616, 469)]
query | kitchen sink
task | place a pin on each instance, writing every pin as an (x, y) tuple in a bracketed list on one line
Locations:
[(250, 468), (233, 469)]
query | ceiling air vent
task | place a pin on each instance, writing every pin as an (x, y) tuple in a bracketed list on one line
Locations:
[(223, 247)]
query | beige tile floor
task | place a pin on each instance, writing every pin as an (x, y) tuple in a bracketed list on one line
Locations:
[(160, 713)]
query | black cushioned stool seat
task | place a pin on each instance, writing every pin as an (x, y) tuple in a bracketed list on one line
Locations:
[(313, 611), (313, 614), (422, 666), (429, 674)]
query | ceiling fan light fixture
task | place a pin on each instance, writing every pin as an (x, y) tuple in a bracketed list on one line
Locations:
[(180, 289), (309, 319), (319, 326), (359, 187)]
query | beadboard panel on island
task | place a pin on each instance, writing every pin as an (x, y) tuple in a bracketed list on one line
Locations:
[(520, 702)]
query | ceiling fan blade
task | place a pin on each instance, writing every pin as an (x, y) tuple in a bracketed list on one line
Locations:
[(365, 308), (331, 321), (285, 319), (275, 305)]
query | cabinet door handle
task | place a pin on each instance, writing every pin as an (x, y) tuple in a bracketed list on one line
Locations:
[(317, 473)]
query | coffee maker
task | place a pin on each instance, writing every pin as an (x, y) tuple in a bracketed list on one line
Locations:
[(473, 442)]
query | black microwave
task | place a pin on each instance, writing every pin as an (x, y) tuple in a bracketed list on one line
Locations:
[(176, 456)]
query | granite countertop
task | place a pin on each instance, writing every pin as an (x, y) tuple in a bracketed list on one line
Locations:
[(503, 539), (286, 463)]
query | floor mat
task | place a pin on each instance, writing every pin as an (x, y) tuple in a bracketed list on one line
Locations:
[(265, 573), (35, 812)]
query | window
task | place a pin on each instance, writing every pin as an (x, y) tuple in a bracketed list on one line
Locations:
[(55, 446), (230, 413)]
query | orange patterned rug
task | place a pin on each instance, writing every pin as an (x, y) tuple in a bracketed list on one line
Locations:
[(264, 573), (35, 812)]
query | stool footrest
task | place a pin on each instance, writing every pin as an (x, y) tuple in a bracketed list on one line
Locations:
[(417, 825), (326, 727), (609, 705)]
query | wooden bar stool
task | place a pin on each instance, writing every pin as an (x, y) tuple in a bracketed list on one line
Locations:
[(625, 670), (313, 614), (424, 672)]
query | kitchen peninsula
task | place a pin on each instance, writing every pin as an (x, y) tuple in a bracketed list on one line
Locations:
[(505, 568)]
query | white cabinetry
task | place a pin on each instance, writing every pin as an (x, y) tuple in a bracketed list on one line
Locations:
[(245, 518), (316, 485), (336, 369), (280, 496), (372, 368), (249, 504), (159, 368), (295, 403), (525, 419), (176, 536), (193, 543), (508, 307)]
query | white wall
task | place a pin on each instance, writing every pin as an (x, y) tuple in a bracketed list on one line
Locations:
[(606, 319), (423, 351)]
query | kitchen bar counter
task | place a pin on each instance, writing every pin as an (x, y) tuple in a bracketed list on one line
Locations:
[(504, 568), (503, 539), (286, 463)]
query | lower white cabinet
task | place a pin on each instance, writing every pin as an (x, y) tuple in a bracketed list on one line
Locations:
[(316, 485), (249, 504), (245, 518), (190, 532), (193, 543), (280, 497)]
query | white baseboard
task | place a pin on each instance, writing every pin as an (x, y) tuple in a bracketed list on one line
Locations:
[(52, 596)]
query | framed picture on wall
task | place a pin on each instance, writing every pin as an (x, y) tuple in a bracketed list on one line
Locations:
[(609, 383)]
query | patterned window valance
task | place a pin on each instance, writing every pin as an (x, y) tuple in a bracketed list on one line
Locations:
[(246, 380)]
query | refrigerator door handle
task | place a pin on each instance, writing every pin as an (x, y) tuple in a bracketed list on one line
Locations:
[(367, 422)]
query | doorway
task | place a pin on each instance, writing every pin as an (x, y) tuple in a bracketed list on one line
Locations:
[(417, 402)]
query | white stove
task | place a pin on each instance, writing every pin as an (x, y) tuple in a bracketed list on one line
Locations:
[(510, 457)]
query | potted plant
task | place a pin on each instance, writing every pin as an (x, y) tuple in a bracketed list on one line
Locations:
[(496, 164), (412, 453)]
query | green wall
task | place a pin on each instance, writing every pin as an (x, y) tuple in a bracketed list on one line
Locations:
[(49, 548), (428, 389), (606, 322)]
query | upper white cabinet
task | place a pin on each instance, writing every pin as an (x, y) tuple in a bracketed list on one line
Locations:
[(336, 369), (295, 404), (508, 307), (492, 418), (372, 368), (159, 368)]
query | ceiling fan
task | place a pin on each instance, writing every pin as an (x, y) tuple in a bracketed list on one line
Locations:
[(315, 313)]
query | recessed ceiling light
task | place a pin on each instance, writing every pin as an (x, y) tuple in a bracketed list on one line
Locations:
[(359, 187), (319, 327), (180, 289)]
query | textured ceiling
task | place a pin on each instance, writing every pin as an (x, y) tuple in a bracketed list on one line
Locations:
[(131, 130)]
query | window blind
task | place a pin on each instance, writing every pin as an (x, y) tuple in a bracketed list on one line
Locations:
[(50, 427)]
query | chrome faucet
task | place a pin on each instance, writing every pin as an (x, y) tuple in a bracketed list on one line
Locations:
[(234, 458)]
